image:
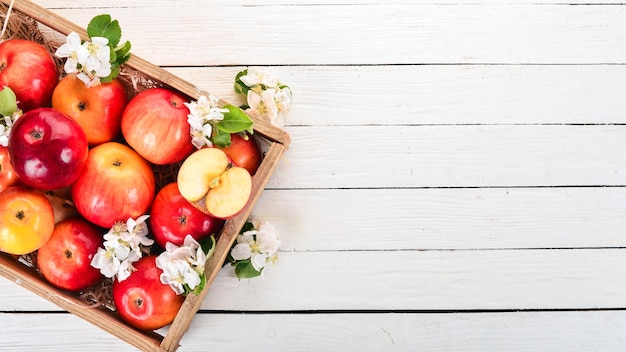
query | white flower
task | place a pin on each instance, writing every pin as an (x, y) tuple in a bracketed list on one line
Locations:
[(256, 76), (259, 245), (203, 113), (99, 56), (182, 266), (75, 53), (263, 104), (6, 122), (282, 98), (123, 245), (268, 238)]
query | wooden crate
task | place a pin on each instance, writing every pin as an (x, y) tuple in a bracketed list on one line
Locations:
[(26, 276)]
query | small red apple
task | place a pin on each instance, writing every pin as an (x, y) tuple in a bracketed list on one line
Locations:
[(47, 149), (116, 183), (172, 218), (28, 68), (210, 181), (8, 177), (97, 109), (142, 300), (65, 260), (26, 220), (244, 151), (154, 123)]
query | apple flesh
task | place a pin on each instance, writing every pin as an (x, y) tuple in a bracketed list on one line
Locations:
[(47, 149), (97, 109), (154, 123), (65, 260), (26, 220), (116, 184), (208, 180), (28, 68), (172, 218), (142, 300)]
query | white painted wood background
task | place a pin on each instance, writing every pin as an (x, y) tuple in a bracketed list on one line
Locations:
[(455, 180)]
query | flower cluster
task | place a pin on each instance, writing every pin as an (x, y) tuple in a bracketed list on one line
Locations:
[(257, 245), (89, 60), (123, 245), (203, 116), (183, 267), (266, 95), (6, 122), (98, 59)]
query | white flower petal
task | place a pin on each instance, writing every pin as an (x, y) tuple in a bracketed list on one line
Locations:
[(258, 261), (241, 251)]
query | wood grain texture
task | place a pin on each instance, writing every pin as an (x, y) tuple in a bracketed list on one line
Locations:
[(451, 163), (452, 156), (439, 94), (515, 332), (417, 280), (350, 35)]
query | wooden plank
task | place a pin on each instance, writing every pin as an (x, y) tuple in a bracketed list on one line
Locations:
[(478, 332), (452, 156), (439, 94), (419, 219), (347, 35), (54, 4), (414, 280)]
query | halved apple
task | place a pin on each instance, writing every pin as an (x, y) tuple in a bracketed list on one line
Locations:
[(210, 181)]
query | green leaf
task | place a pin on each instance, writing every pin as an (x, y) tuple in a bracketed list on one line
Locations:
[(122, 52), (102, 26), (198, 288), (220, 138), (240, 87), (208, 245), (245, 270), (248, 226), (235, 120), (8, 102)]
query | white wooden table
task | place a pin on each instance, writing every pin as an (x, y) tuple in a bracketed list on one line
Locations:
[(455, 180)]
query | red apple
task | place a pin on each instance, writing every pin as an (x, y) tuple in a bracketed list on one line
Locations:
[(116, 183), (26, 220), (154, 123), (212, 183), (47, 149), (244, 152), (28, 68), (142, 300), (8, 177), (97, 109), (65, 260), (172, 218)]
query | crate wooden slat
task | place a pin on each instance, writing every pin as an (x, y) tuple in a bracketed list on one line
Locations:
[(107, 320)]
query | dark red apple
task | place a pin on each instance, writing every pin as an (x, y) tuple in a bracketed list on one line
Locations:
[(115, 184), (172, 218), (47, 149), (244, 152), (28, 68), (142, 300), (154, 123), (65, 260)]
